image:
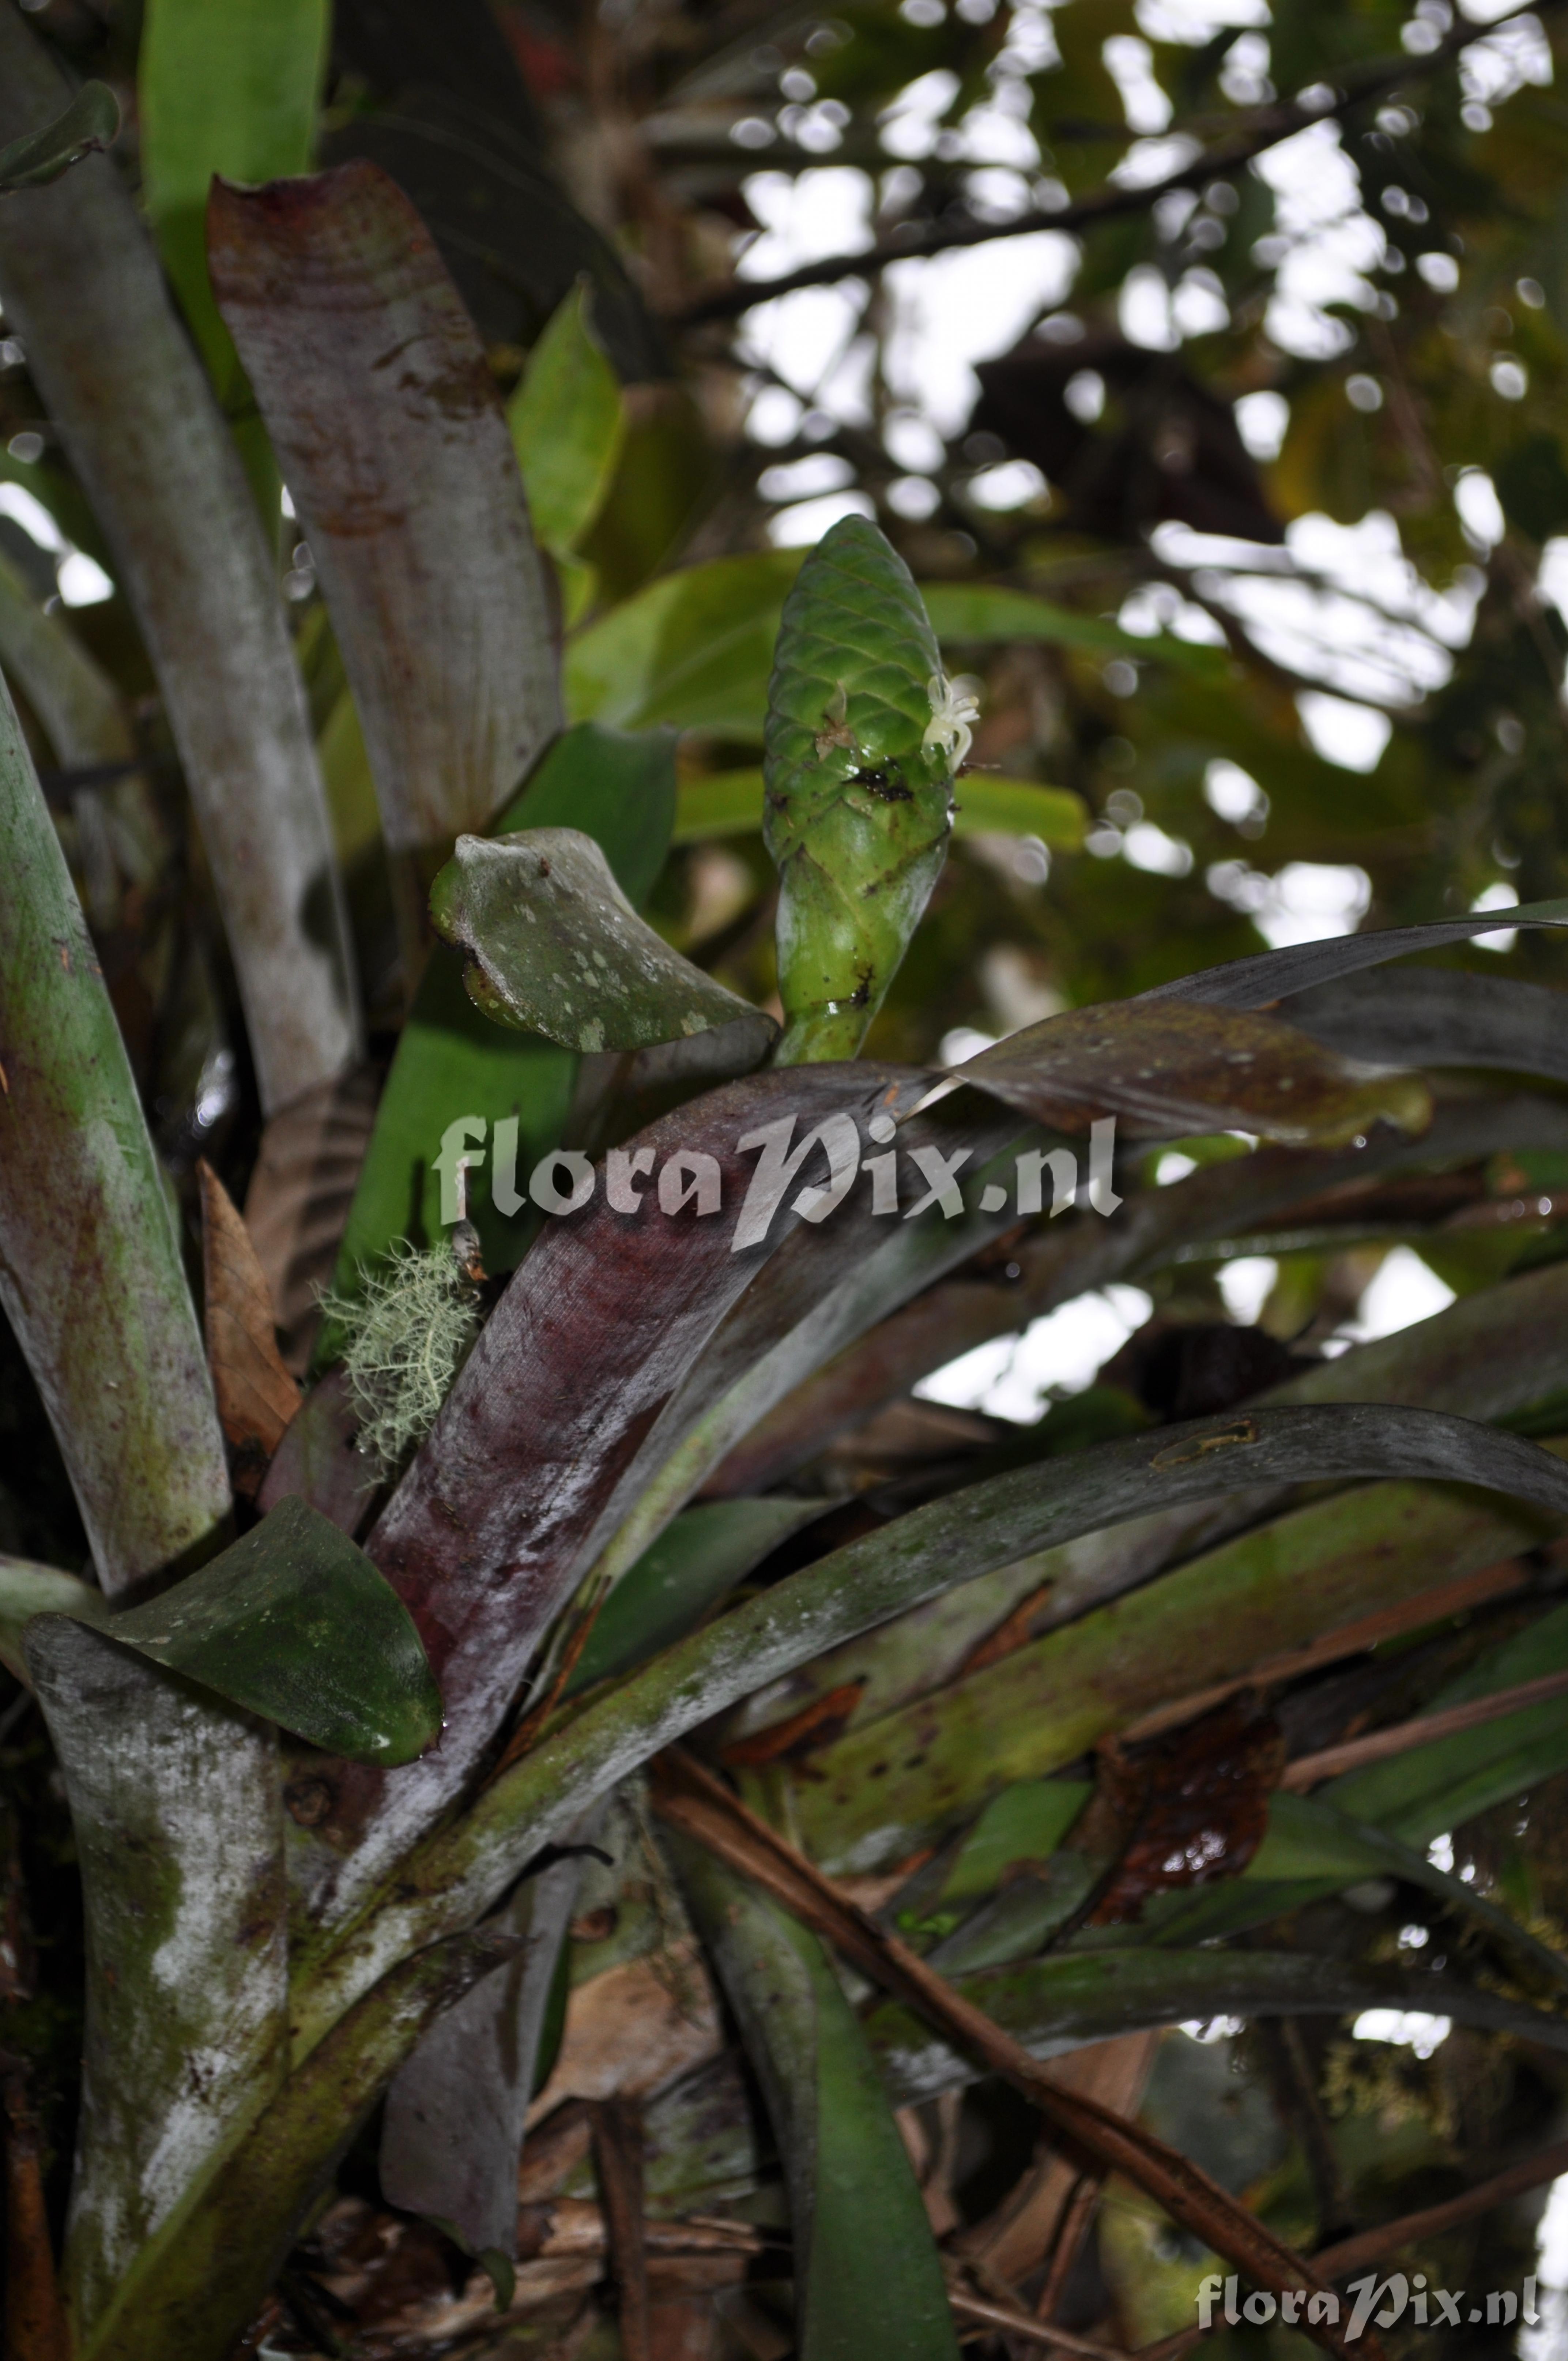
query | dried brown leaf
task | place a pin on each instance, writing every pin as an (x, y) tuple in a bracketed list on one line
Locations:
[(1187, 1807), (298, 1197), (817, 1724), (256, 1397)]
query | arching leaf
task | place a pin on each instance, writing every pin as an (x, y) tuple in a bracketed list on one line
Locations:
[(294, 1623), (90, 122)]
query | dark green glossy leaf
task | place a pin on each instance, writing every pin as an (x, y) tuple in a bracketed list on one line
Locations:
[(552, 946), (857, 808), (702, 1554), (294, 1623), (1438, 1016), (91, 121), (868, 2276), (862, 1351)]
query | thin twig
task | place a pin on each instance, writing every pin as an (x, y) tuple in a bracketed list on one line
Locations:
[(1076, 2219), (1268, 128), (688, 1795), (1038, 2332), (1379, 1745), (1337, 2262), (618, 2157)]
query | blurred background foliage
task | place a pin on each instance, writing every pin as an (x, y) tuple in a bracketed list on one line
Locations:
[(1294, 427)]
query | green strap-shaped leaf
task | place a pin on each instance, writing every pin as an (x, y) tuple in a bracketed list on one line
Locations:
[(232, 92), (1212, 1618), (90, 1277), (729, 802), (1062, 2002), (868, 2279), (294, 1623), (567, 426), (983, 610), (918, 1556), (705, 1552), (89, 123), (858, 779), (552, 946), (692, 650)]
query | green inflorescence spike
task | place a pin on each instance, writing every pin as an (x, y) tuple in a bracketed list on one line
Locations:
[(862, 734)]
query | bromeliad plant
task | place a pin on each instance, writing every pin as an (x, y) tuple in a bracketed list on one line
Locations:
[(333, 1760)]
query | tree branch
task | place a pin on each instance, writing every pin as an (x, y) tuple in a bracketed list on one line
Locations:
[(1267, 129)]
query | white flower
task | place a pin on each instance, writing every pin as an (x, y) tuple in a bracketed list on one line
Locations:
[(953, 717)]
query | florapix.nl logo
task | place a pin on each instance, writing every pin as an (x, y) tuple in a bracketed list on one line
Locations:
[(1372, 2302), (825, 1160)]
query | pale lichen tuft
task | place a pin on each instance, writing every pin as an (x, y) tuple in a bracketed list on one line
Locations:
[(404, 1339)]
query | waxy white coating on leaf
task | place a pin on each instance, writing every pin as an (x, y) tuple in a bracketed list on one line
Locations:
[(177, 1810), (591, 975)]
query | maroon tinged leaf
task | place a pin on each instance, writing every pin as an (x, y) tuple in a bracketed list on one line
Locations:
[(81, 286), (393, 443), (1167, 1068), (483, 1539)]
